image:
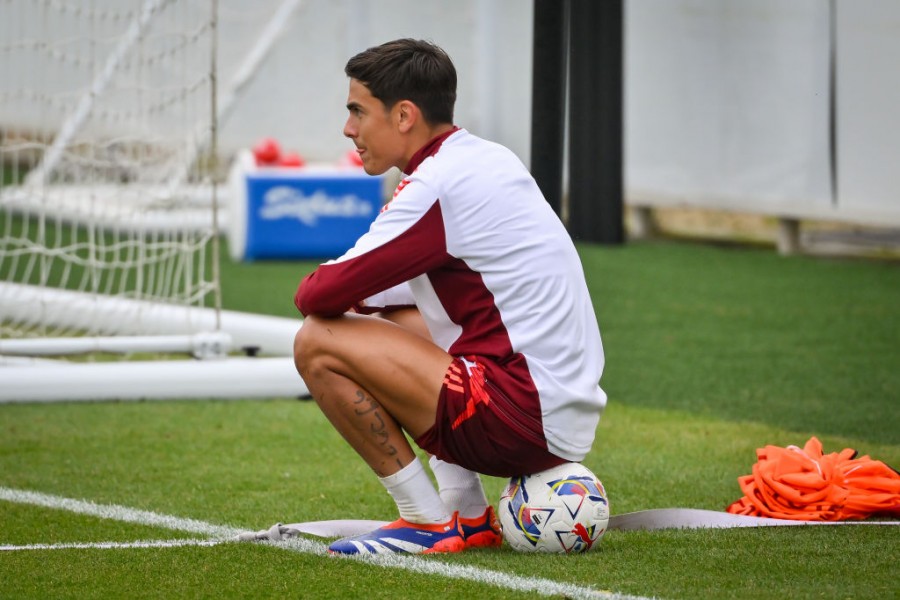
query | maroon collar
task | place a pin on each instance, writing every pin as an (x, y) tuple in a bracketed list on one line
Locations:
[(429, 149)]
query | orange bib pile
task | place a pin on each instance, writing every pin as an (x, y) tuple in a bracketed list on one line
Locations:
[(803, 484)]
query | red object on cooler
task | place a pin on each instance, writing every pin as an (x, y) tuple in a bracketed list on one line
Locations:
[(267, 151), (292, 159)]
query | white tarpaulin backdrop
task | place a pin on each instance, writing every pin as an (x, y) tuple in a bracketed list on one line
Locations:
[(728, 105), (727, 102)]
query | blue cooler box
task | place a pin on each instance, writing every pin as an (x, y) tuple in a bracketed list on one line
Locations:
[(298, 212)]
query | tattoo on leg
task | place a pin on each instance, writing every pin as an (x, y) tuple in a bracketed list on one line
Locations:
[(379, 431), (377, 427), (362, 398)]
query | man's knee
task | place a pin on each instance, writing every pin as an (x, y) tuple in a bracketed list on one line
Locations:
[(308, 344)]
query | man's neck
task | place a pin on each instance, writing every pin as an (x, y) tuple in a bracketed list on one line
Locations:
[(423, 135), (425, 149)]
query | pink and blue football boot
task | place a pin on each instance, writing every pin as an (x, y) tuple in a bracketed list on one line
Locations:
[(401, 536)]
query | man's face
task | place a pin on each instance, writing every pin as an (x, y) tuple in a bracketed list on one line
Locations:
[(373, 130)]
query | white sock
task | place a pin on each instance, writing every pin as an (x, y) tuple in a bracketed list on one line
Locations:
[(416, 498), (460, 488)]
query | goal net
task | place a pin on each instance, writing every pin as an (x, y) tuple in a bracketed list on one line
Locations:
[(109, 221)]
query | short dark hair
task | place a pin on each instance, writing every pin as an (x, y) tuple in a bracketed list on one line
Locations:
[(408, 69)]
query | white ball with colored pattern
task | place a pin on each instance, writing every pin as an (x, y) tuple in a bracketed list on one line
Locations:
[(560, 510)]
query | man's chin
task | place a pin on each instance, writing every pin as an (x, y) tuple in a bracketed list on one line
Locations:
[(374, 169)]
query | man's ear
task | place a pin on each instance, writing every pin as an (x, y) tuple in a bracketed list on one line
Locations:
[(407, 115)]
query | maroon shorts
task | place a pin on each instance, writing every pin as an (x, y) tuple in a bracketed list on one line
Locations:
[(480, 426)]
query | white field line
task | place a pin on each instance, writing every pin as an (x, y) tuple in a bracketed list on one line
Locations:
[(112, 545), (221, 534), (117, 513), (516, 583)]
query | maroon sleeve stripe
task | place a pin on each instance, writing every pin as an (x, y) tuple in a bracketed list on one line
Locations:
[(334, 288)]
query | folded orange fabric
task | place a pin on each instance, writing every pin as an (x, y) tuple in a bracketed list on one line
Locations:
[(804, 484)]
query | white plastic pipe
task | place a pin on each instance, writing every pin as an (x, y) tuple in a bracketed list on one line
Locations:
[(201, 345), (233, 378), (108, 315)]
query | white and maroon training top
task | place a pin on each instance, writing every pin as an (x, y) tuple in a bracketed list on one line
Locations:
[(469, 239)]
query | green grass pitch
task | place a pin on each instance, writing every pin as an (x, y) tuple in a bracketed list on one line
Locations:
[(712, 352)]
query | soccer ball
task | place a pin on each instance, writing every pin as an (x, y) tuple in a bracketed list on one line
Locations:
[(563, 509)]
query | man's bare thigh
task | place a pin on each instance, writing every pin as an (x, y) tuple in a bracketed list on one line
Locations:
[(400, 369)]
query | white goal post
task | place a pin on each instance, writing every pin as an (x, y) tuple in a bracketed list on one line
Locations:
[(109, 211)]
